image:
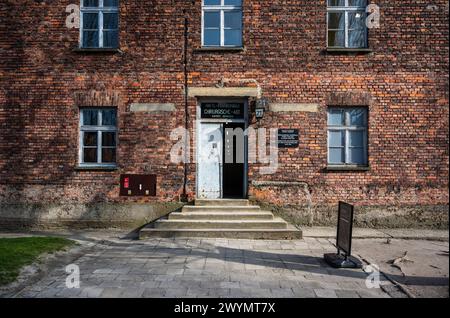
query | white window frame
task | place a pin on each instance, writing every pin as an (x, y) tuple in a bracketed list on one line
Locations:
[(222, 8), (346, 9), (347, 128), (99, 129), (100, 10)]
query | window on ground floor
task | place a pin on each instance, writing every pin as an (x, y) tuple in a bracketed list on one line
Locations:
[(347, 24), (99, 20), (347, 136), (222, 23), (98, 136)]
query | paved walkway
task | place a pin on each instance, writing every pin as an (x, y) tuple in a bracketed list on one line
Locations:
[(364, 233), (208, 268)]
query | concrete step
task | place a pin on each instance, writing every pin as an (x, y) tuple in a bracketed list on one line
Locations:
[(234, 219), (218, 208), (221, 202), (263, 215), (252, 234), (276, 223)]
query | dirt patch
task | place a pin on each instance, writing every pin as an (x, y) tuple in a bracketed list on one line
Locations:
[(419, 266)]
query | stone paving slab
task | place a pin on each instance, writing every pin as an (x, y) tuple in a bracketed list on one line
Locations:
[(222, 268)]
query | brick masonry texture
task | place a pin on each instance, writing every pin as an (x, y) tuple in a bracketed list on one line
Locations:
[(403, 82)]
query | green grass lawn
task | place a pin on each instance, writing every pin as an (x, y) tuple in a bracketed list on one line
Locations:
[(18, 252)]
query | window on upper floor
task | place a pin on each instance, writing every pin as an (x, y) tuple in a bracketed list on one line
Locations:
[(222, 23), (347, 136), (98, 137), (347, 24), (99, 21)]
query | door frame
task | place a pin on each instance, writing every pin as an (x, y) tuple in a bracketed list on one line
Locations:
[(200, 121)]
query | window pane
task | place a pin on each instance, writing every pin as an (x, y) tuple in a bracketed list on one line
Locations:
[(336, 138), (90, 139), (357, 3), (357, 20), (336, 21), (108, 155), (90, 117), (90, 3), (90, 39), (336, 155), (336, 38), (356, 138), (211, 2), (357, 39), (109, 139), (356, 156), (90, 155), (90, 21), (212, 37), (212, 19), (336, 3), (233, 19), (233, 37), (335, 117), (110, 20), (233, 2), (110, 3), (109, 117), (358, 117), (111, 39)]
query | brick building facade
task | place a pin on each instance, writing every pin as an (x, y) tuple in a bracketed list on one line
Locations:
[(400, 78)]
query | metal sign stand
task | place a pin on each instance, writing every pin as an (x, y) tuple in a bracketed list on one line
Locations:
[(343, 257)]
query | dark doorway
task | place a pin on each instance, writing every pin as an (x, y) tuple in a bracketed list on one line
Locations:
[(234, 160)]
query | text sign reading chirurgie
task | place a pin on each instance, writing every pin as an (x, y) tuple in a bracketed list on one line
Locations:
[(222, 110), (288, 138)]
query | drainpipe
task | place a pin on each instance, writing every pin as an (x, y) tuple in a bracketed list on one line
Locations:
[(184, 197)]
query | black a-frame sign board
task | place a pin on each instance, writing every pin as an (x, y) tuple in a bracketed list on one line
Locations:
[(343, 257)]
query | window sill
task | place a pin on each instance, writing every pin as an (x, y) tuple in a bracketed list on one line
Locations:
[(220, 49), (348, 50), (96, 168), (347, 168), (96, 50)]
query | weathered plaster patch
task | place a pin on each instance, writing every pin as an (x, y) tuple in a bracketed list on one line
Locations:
[(152, 107), (224, 92), (290, 107), (78, 215)]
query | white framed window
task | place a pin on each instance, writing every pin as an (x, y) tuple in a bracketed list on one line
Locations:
[(346, 20), (99, 24), (222, 23), (347, 136), (98, 137)]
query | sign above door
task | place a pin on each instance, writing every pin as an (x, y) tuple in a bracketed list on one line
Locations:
[(222, 110)]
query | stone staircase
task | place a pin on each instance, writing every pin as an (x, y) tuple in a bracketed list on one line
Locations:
[(223, 218)]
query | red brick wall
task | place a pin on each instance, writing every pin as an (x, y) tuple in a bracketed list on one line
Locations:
[(406, 77)]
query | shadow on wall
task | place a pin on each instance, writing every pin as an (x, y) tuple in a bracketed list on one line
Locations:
[(379, 206), (423, 217)]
